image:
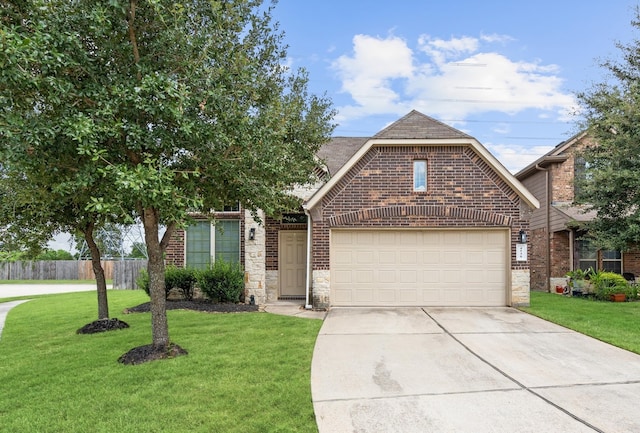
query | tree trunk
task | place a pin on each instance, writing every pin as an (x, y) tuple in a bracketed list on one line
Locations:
[(155, 267), (101, 283)]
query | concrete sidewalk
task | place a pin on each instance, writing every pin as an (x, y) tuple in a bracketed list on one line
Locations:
[(468, 370), (4, 310), (12, 290)]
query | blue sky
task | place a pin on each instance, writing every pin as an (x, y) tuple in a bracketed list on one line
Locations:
[(505, 72)]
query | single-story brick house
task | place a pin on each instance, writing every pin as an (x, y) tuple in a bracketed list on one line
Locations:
[(558, 242), (421, 214)]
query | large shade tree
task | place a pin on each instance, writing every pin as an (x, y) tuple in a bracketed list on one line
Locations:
[(181, 107), (611, 181)]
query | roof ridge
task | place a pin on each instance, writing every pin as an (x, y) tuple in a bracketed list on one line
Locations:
[(418, 125)]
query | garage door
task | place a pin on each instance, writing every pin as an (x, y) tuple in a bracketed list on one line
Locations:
[(419, 267)]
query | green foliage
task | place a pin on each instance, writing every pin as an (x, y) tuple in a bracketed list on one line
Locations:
[(54, 255), (609, 283), (611, 185), (142, 282), (222, 282), (13, 256), (115, 110), (183, 279), (138, 251)]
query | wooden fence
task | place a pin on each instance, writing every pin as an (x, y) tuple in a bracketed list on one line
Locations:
[(123, 273)]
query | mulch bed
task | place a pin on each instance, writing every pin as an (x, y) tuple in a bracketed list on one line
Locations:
[(102, 325), (197, 305), (142, 354)]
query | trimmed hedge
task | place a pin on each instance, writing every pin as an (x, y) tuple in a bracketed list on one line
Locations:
[(222, 282)]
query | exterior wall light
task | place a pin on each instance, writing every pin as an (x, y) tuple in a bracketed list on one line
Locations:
[(522, 237), (252, 233)]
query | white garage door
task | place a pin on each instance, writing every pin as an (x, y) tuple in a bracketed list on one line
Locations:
[(419, 267)]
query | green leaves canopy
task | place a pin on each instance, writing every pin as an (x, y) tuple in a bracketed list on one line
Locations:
[(155, 109), (178, 106), (612, 183)]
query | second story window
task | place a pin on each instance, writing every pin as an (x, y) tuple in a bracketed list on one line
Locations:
[(420, 175)]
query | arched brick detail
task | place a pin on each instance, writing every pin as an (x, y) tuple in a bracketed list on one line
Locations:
[(428, 211)]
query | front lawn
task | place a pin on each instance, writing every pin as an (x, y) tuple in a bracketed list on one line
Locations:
[(617, 323), (245, 372)]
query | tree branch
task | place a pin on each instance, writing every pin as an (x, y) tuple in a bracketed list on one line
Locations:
[(171, 227), (132, 34)]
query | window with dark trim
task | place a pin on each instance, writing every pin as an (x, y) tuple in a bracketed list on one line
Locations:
[(612, 261)]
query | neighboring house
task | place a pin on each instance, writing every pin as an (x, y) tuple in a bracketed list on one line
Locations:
[(557, 227), (421, 214)]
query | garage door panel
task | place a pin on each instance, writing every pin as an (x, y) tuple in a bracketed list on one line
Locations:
[(408, 257), (365, 258), (387, 257), (419, 267)]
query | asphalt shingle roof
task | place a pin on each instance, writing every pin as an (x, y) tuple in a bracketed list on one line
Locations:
[(416, 125)]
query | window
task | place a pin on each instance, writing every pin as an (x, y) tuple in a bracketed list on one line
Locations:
[(580, 175), (235, 207), (227, 241), (199, 245), (420, 175), (587, 255), (205, 241), (612, 261)]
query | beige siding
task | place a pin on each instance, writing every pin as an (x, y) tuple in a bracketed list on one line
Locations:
[(536, 184)]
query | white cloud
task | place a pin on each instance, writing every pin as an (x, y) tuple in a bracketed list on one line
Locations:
[(368, 75), (515, 157), (448, 79)]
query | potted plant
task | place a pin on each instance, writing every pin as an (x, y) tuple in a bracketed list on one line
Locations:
[(579, 281), (610, 286)]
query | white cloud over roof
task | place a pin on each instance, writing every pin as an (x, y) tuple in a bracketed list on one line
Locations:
[(449, 79)]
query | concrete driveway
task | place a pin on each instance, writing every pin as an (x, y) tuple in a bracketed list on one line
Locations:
[(468, 370)]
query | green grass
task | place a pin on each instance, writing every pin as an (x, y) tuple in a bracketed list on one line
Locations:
[(246, 372), (617, 323)]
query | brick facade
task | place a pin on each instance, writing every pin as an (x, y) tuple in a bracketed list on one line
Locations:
[(554, 263), (175, 253), (462, 191), (538, 242)]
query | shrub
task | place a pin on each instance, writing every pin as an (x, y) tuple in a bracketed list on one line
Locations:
[(142, 282), (182, 279), (174, 278), (609, 283), (222, 282)]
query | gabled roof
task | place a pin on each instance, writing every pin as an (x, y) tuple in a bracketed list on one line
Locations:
[(413, 129), (417, 125), (557, 154), (337, 152)]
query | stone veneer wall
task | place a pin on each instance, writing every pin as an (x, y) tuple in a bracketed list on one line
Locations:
[(321, 288), (520, 288), (254, 260)]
